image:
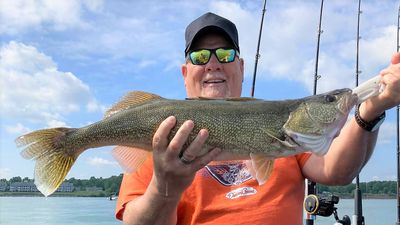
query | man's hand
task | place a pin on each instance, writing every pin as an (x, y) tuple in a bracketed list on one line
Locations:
[(171, 175)]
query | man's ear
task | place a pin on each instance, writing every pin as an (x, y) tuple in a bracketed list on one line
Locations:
[(242, 68), (184, 72), (184, 69)]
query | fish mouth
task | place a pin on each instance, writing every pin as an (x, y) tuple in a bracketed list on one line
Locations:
[(348, 102)]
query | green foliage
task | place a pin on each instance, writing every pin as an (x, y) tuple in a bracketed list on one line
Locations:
[(15, 179), (109, 185), (388, 188), (83, 187)]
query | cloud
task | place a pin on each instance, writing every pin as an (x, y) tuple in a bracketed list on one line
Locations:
[(377, 49), (147, 63), (17, 129), (381, 178), (289, 38), (387, 132), (5, 173), (97, 161), (34, 90), (375, 178), (24, 15)]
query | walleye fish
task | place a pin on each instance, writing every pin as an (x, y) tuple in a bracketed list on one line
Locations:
[(244, 128)]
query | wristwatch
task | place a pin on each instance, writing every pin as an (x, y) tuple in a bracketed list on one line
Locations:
[(370, 126)]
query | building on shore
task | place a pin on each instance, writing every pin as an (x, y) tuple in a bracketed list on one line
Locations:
[(31, 187), (66, 187), (23, 187)]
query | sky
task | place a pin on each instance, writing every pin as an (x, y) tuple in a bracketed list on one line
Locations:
[(64, 63)]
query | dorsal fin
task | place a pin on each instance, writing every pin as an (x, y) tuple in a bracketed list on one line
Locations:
[(131, 99), (202, 98), (241, 99)]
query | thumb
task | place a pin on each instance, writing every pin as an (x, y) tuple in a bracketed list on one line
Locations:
[(396, 58)]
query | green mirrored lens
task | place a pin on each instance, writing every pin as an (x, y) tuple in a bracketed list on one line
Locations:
[(225, 55), (200, 57)]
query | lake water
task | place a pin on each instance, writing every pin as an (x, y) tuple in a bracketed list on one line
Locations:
[(57, 211), (100, 211)]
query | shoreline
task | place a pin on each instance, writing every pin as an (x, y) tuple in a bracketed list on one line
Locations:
[(369, 196), (56, 194), (104, 194)]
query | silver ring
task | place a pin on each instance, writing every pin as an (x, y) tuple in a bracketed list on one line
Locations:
[(184, 160)]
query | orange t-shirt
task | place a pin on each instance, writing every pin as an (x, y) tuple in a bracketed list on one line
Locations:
[(225, 193)]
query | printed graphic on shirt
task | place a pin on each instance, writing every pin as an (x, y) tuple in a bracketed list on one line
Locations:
[(230, 174), (240, 192)]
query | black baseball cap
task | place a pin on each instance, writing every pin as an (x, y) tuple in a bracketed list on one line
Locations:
[(210, 22)]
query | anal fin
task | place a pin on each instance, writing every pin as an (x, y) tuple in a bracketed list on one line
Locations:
[(260, 167)]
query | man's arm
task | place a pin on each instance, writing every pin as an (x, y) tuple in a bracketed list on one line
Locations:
[(351, 150), (347, 155), (151, 208), (171, 177)]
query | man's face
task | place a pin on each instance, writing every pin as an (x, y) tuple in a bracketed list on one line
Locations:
[(214, 79)]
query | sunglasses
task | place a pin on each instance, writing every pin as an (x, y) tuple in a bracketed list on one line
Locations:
[(202, 56)]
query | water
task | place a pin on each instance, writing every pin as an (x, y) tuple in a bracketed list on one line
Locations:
[(375, 211), (57, 211), (100, 211)]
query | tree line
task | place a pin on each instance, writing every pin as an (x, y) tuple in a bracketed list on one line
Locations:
[(108, 185), (111, 186), (374, 188)]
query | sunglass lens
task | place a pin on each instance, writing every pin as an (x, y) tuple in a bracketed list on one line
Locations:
[(200, 57), (225, 55)]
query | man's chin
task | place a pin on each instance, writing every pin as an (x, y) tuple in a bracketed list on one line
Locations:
[(218, 94)]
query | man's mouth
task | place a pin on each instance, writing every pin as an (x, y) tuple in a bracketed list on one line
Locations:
[(217, 81)]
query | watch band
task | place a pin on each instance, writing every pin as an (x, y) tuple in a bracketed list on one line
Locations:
[(370, 126)]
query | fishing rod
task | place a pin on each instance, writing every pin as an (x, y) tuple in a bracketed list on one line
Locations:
[(398, 142), (311, 185), (258, 51), (358, 218), (315, 204), (320, 31)]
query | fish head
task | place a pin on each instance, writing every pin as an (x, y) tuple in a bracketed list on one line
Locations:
[(319, 118), (330, 108)]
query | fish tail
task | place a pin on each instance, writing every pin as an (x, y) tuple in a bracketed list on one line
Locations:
[(53, 158)]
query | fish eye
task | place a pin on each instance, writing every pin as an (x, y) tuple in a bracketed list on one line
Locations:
[(330, 98)]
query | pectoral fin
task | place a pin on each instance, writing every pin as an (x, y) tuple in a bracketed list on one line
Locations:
[(260, 167), (129, 158), (289, 143)]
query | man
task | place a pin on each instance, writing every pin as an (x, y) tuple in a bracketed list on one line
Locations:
[(174, 188)]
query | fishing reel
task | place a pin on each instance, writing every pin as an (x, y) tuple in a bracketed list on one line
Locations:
[(324, 205), (320, 205)]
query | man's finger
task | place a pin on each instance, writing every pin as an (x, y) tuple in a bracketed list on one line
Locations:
[(194, 149), (396, 58), (202, 161), (181, 137), (160, 138)]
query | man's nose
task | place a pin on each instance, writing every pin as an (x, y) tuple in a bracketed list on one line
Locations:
[(213, 64)]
